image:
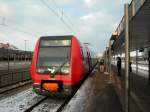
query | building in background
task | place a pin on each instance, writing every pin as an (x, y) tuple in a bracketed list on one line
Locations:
[(8, 46)]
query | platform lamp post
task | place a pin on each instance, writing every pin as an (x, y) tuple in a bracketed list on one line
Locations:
[(106, 61), (113, 37), (110, 78), (127, 56), (25, 42), (136, 61), (8, 65), (149, 66)]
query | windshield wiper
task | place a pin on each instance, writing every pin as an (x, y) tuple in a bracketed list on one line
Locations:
[(54, 71)]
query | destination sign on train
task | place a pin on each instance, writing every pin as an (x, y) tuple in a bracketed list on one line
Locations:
[(55, 42)]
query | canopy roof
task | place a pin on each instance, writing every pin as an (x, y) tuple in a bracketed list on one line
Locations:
[(139, 31)]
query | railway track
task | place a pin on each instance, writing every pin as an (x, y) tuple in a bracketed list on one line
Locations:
[(36, 104), (57, 107)]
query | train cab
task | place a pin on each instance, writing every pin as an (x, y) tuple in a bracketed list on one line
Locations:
[(57, 65)]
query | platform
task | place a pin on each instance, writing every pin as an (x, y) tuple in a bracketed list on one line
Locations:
[(95, 95)]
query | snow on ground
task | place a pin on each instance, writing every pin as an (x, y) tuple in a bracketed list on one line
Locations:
[(142, 70), (19, 102), (50, 105), (144, 67)]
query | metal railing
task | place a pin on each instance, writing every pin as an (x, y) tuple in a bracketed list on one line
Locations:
[(6, 54), (7, 79), (14, 59)]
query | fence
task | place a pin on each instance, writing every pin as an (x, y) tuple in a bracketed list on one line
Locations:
[(14, 77)]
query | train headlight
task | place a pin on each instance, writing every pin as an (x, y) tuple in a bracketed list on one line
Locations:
[(65, 70), (40, 70)]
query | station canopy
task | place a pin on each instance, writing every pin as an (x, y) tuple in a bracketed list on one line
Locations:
[(139, 31)]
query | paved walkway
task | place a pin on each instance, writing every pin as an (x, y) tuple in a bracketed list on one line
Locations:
[(95, 95)]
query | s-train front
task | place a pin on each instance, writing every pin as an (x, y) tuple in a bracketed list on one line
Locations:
[(56, 65)]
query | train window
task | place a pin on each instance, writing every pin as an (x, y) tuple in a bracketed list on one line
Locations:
[(47, 43), (89, 59), (82, 53), (53, 56)]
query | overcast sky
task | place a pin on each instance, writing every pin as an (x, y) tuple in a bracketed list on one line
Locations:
[(92, 21)]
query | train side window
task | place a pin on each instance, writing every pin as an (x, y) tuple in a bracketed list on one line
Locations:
[(89, 59), (82, 53)]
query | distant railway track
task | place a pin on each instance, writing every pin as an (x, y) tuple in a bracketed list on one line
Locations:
[(13, 87)]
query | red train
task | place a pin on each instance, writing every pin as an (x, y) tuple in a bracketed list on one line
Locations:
[(59, 64)]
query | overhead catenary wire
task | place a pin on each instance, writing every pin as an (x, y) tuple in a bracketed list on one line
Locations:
[(65, 16), (9, 22), (58, 15), (62, 16), (13, 28), (62, 12)]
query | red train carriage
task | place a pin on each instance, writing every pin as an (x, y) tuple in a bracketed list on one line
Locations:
[(59, 63)]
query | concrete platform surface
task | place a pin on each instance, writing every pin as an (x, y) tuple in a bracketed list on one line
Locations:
[(95, 95)]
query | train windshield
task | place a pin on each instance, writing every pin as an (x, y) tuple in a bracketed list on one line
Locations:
[(53, 53)]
